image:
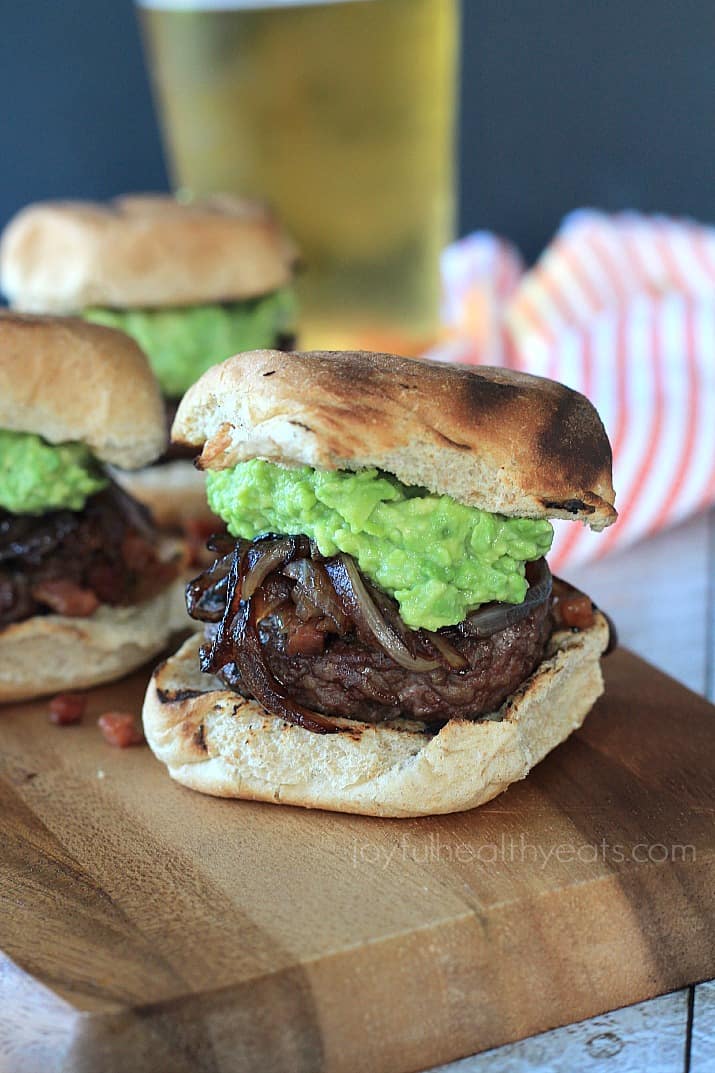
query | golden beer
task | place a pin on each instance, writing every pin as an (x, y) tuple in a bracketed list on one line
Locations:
[(341, 114)]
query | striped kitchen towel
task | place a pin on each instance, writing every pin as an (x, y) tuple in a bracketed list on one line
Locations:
[(622, 308)]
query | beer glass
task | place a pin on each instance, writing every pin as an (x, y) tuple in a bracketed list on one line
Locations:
[(339, 113)]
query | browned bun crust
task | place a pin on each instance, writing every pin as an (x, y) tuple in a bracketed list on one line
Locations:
[(504, 441), (65, 380), (142, 251), (215, 741)]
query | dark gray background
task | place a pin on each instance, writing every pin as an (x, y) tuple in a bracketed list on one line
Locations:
[(564, 103)]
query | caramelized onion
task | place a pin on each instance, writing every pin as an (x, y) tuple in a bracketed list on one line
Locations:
[(494, 617), (221, 646), (237, 642), (136, 513), (223, 544), (311, 597), (260, 681), (314, 586), (206, 594), (273, 594), (351, 589), (264, 557), (454, 658)]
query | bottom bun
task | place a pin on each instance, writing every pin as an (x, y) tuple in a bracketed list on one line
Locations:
[(52, 653), (215, 741), (175, 492)]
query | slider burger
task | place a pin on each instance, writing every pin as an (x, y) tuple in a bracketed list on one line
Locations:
[(86, 591), (382, 632), (191, 283)]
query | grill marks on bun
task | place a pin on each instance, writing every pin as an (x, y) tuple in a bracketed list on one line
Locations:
[(214, 741), (492, 438)]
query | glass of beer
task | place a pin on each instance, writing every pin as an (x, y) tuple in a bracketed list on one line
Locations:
[(340, 114)]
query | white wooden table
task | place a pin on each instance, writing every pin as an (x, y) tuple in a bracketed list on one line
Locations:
[(661, 595)]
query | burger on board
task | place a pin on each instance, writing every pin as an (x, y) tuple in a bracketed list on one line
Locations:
[(382, 633)]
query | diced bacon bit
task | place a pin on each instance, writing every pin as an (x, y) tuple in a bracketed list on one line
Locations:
[(66, 709), (305, 641), (576, 611), (66, 598), (120, 729)]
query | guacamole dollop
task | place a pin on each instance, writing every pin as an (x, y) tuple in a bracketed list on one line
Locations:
[(36, 476), (182, 343), (439, 559)]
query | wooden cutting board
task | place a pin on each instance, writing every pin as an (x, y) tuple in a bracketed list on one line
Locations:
[(146, 928)]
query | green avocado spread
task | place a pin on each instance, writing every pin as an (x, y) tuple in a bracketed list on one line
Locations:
[(36, 476), (439, 559), (182, 343)]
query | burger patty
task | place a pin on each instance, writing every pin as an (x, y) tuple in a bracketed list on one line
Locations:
[(69, 562), (358, 681), (339, 670)]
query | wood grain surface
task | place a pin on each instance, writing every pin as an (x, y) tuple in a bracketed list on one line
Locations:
[(144, 927)]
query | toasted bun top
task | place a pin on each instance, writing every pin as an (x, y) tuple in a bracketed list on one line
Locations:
[(141, 251), (504, 441), (65, 380)]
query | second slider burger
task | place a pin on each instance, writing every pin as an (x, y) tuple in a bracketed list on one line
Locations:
[(191, 283), (382, 632), (88, 591)]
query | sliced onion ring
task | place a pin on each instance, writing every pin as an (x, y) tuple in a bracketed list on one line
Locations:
[(236, 641), (492, 618), (263, 559), (312, 579), (206, 594), (450, 654), (351, 589)]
